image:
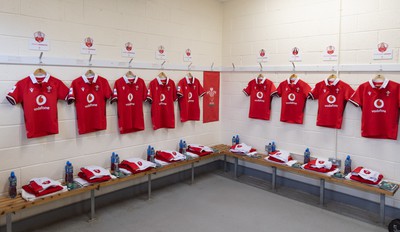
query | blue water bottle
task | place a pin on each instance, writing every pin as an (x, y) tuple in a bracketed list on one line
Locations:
[(113, 162), (69, 174), (347, 165), (184, 147), (12, 190), (307, 155), (149, 153), (273, 147), (116, 163), (180, 146), (237, 140)]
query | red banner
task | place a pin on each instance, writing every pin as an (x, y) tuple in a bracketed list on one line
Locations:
[(211, 98)]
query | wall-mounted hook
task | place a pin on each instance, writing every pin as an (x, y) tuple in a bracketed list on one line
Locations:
[(129, 65), (294, 66), (40, 58), (90, 59), (333, 68), (212, 66), (233, 65), (189, 66), (380, 68), (261, 66), (162, 64)]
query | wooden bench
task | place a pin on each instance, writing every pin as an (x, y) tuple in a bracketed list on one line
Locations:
[(315, 175), (9, 206)]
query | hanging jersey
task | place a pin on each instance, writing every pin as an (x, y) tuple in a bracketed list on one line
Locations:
[(189, 92), (380, 109), (294, 95), (260, 92), (90, 98), (332, 98), (162, 94), (39, 97), (130, 94)]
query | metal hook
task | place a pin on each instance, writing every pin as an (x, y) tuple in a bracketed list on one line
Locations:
[(333, 68), (294, 66), (130, 63), (90, 59), (233, 65), (189, 66), (380, 68), (261, 67), (40, 58), (212, 66), (162, 64)]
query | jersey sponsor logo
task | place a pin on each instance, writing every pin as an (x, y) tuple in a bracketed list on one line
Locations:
[(292, 98), (331, 99), (162, 99), (259, 96), (41, 100), (13, 89), (71, 91), (379, 104), (130, 98), (190, 96), (90, 98)]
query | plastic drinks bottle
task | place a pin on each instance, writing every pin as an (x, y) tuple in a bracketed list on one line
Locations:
[(273, 147), (113, 162), (347, 165), (233, 141), (237, 139), (307, 156), (12, 191), (69, 174)]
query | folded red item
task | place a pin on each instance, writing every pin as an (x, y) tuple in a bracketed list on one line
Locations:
[(362, 180), (199, 150), (278, 160), (93, 180), (169, 156), (133, 166), (49, 190), (308, 166), (93, 171)]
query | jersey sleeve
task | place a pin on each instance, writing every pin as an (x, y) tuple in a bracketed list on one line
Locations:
[(279, 89), (14, 96), (63, 91), (272, 89), (247, 90), (356, 98), (314, 93), (144, 92), (200, 89), (306, 89), (114, 95), (180, 88), (107, 90), (348, 92), (149, 95), (174, 92), (71, 94)]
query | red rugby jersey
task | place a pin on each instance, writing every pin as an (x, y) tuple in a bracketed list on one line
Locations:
[(130, 94), (90, 96), (380, 108), (294, 95), (162, 94), (332, 98), (260, 92), (39, 97), (189, 92)]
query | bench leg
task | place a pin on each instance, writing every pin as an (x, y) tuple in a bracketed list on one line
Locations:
[(192, 173), (9, 222), (322, 192), (225, 167), (149, 186), (236, 168), (274, 178), (92, 206), (382, 209)]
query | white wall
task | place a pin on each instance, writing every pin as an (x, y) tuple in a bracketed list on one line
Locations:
[(176, 24), (311, 25)]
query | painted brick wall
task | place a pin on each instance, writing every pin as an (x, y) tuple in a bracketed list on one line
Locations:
[(176, 24), (311, 25)]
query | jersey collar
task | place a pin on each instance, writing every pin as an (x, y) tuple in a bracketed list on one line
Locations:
[(34, 80), (86, 80), (294, 82), (384, 84), (126, 79), (188, 80), (262, 81), (160, 82), (333, 83)]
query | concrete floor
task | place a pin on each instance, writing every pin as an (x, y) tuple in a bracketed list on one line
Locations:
[(214, 204)]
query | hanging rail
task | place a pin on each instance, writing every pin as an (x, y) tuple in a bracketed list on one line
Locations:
[(94, 63)]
